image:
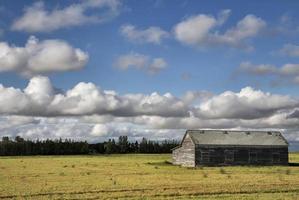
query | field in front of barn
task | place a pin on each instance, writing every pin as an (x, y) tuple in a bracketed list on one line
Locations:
[(140, 177)]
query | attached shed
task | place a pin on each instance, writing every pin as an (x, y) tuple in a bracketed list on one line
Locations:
[(225, 147)]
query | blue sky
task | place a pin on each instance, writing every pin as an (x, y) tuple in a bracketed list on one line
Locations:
[(164, 46), (210, 68)]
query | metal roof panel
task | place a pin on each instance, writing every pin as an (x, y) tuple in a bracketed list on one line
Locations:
[(246, 138)]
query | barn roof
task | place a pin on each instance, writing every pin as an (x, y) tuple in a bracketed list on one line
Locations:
[(237, 138)]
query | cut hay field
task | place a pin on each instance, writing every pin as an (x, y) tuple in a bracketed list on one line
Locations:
[(140, 177)]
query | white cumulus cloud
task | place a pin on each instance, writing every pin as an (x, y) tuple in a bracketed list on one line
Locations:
[(39, 57), (289, 71), (100, 130), (37, 18), (87, 112), (140, 62), (201, 30), (247, 104), (290, 50), (39, 99), (152, 34)]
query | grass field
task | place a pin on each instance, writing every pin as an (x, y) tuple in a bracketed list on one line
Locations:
[(140, 177)]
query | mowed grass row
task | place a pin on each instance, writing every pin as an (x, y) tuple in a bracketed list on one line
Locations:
[(140, 177)]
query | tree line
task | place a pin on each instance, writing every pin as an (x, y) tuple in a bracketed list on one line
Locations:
[(19, 146)]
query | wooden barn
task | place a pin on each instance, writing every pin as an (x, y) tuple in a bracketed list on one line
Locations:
[(221, 147)]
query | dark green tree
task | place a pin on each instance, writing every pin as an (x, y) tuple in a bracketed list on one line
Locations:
[(123, 144)]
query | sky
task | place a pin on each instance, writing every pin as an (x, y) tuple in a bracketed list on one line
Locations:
[(96, 69)]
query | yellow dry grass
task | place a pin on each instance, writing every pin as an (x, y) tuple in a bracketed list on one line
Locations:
[(140, 177)]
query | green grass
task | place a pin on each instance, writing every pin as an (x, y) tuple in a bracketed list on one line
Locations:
[(140, 177)]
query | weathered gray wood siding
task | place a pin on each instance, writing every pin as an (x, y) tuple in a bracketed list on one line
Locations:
[(213, 155), (184, 155)]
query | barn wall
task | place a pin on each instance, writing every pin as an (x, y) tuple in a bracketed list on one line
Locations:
[(241, 156), (185, 155)]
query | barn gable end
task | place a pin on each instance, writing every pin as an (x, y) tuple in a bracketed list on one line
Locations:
[(184, 154)]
